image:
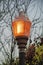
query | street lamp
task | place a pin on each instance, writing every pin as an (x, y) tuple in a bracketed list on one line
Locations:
[(21, 31)]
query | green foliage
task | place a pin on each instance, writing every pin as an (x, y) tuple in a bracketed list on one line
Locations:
[(38, 58)]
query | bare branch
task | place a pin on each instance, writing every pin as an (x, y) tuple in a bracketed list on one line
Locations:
[(5, 50)]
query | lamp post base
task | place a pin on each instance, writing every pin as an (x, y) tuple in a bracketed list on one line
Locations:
[(41, 41), (22, 41), (22, 60)]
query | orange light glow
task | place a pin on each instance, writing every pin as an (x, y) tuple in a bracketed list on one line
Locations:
[(20, 27)]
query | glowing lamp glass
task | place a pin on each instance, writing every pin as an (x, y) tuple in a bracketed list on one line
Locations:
[(21, 27)]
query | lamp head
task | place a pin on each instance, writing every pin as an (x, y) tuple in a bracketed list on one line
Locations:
[(21, 26)]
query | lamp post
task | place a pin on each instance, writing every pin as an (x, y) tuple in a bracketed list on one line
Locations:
[(21, 31)]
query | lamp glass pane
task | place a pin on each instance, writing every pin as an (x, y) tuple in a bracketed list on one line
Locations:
[(20, 27)]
